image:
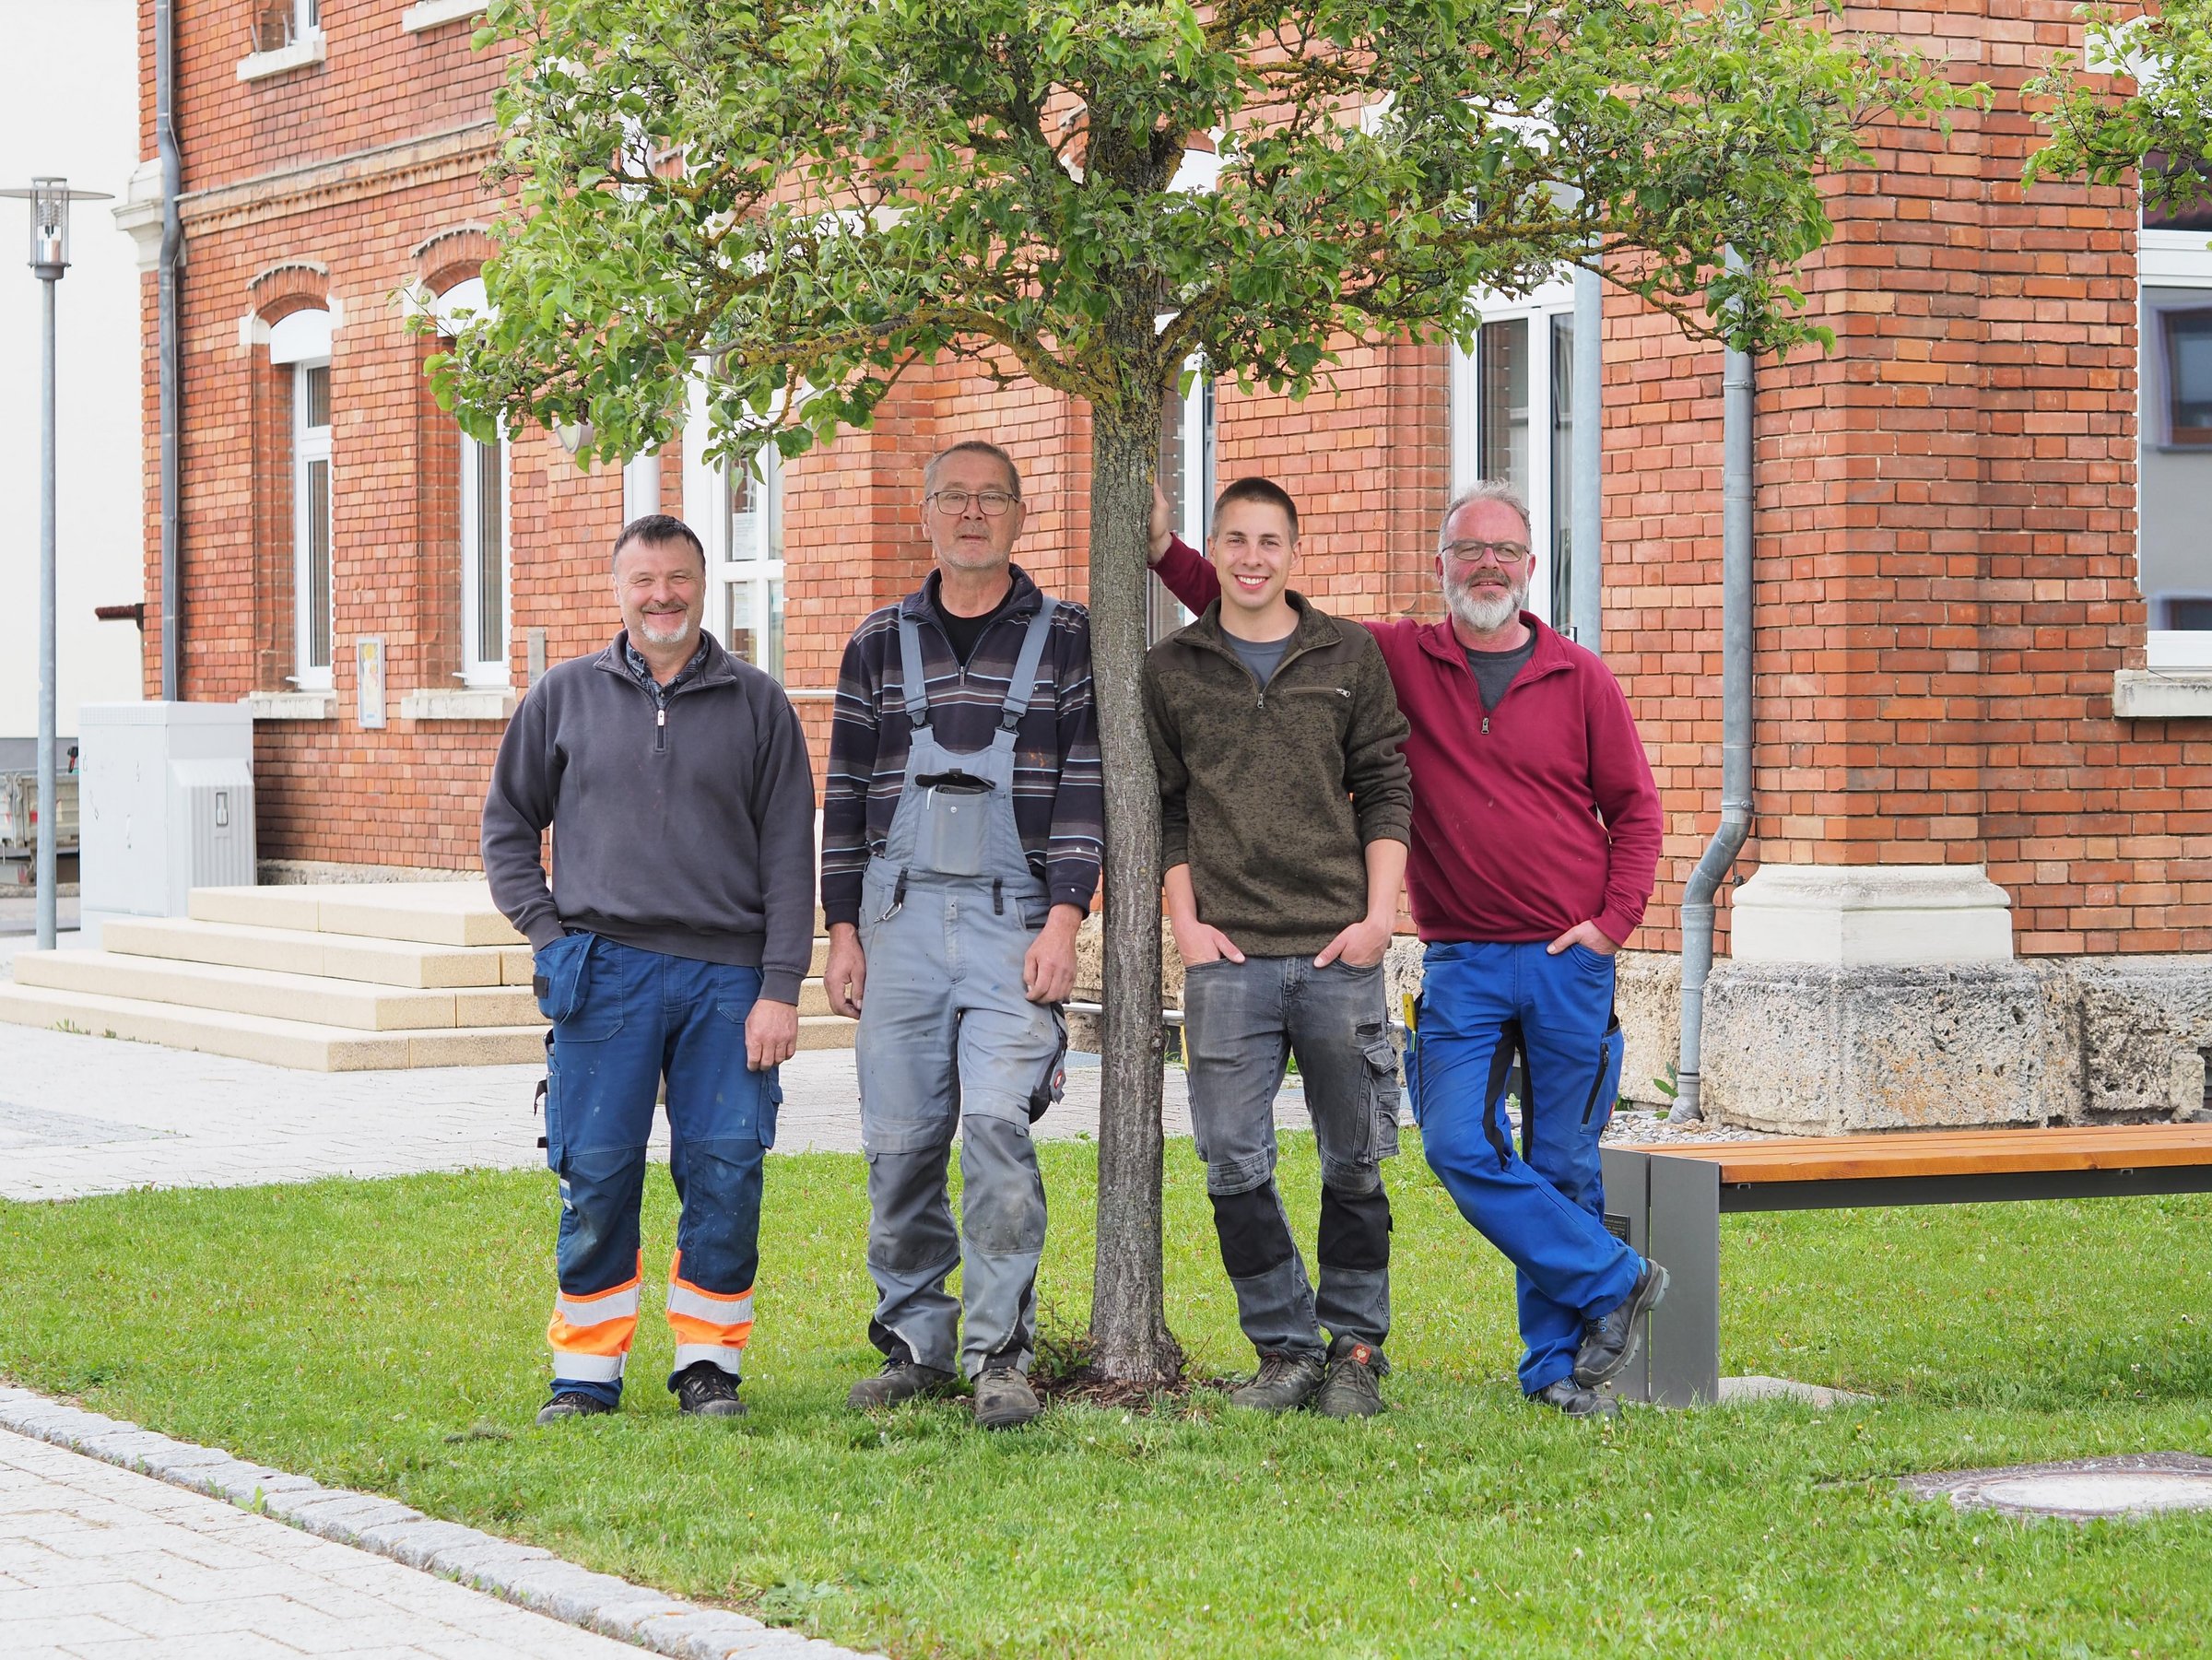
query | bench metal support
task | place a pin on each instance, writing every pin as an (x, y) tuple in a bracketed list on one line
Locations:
[(1669, 1209)]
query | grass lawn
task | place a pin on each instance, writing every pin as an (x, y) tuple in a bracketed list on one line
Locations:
[(386, 1334)]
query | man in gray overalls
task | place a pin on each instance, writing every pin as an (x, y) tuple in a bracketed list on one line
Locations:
[(961, 833)]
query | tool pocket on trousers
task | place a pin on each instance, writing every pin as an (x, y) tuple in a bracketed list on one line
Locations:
[(772, 1104), (549, 1101), (562, 979), (1605, 1089), (1382, 1094), (953, 829), (1413, 1057)]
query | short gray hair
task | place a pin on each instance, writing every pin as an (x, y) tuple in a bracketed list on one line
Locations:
[(1487, 490), (973, 446)]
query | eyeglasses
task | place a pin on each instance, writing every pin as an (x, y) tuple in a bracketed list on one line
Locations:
[(992, 503), (1474, 553)]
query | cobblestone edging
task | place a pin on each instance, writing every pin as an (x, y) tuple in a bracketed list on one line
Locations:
[(521, 1574)]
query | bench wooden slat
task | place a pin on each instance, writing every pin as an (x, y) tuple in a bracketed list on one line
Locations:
[(1948, 1152)]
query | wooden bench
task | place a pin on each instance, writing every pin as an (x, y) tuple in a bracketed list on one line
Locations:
[(1668, 1201)]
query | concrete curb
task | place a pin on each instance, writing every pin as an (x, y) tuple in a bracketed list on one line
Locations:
[(521, 1574)]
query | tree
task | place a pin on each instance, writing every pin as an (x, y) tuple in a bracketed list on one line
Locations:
[(2163, 128), (802, 199)]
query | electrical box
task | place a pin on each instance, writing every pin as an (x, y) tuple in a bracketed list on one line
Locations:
[(166, 804)]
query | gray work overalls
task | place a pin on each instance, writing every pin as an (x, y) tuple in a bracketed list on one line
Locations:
[(949, 909)]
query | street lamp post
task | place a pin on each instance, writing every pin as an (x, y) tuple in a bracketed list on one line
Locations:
[(49, 200)]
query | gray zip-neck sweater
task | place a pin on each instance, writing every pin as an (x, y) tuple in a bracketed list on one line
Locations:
[(682, 825)]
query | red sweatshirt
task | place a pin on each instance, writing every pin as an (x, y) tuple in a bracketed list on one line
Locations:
[(1540, 815)]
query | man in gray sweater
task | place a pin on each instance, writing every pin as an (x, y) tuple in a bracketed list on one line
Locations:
[(671, 944)]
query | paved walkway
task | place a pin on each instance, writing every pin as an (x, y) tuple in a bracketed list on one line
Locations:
[(97, 1561)]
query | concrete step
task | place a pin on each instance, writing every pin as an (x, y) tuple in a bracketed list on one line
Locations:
[(436, 913), (304, 1045), (356, 1005), (336, 956)]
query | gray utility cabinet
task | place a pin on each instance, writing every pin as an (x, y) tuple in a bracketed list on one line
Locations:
[(166, 804)]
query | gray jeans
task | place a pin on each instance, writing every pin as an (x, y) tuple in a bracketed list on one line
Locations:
[(1242, 1023), (947, 1041)]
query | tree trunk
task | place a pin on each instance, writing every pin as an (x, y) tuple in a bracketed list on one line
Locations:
[(1128, 1319)]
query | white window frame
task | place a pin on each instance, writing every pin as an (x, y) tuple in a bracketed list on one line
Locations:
[(479, 672), (2168, 259), (744, 581), (304, 45), (312, 445), (1538, 309), (1200, 485)]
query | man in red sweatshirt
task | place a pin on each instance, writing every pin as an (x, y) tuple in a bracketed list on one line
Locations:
[(1535, 841)]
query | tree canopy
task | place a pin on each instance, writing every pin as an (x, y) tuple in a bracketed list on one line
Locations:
[(2162, 128)]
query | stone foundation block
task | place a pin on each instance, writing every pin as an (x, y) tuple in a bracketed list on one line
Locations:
[(1812, 1049)]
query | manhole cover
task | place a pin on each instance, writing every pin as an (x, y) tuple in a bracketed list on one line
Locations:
[(2137, 1485)]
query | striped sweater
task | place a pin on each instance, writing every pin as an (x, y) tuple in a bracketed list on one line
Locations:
[(1059, 799)]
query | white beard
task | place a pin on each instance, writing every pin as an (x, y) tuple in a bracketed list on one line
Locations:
[(1484, 615), (676, 636)]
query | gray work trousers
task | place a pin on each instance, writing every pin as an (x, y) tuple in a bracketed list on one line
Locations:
[(947, 1041), (1241, 1022)]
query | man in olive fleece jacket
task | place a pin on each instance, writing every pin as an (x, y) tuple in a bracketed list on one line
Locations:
[(1286, 806)]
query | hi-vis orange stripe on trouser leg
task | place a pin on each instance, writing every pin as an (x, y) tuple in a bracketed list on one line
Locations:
[(708, 1326), (591, 1333)]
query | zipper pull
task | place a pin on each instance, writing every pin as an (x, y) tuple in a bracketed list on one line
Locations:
[(1486, 723), (660, 717)]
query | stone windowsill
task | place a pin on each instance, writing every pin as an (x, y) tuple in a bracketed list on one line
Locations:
[(470, 703), (292, 705), (259, 65), (2162, 694), (431, 14)]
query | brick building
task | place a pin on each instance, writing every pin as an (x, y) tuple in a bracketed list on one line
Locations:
[(1983, 656)]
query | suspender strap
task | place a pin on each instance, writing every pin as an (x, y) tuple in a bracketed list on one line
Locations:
[(1024, 683), (910, 657)]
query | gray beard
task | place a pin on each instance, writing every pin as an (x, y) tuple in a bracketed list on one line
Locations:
[(653, 636), (1487, 616)]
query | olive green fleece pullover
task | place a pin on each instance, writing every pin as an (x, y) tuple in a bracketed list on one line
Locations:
[(1271, 795)]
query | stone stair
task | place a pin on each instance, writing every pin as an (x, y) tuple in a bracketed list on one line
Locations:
[(335, 978)]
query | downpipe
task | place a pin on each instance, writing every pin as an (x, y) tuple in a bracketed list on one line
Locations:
[(1700, 894), (172, 369)]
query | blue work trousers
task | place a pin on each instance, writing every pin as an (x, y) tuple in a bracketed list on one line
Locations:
[(1541, 1204), (623, 1019)]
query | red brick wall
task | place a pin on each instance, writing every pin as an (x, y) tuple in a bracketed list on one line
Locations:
[(1945, 511)]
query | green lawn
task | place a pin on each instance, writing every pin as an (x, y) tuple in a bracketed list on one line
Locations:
[(386, 1334)]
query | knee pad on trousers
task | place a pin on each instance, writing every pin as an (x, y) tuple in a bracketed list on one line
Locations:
[(1355, 1230), (1002, 1197), (1254, 1239)]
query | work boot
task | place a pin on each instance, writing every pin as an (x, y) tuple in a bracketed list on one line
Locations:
[(1610, 1342), (704, 1390), (571, 1403), (901, 1380), (1284, 1384), (1348, 1389), (1575, 1401), (1003, 1399)]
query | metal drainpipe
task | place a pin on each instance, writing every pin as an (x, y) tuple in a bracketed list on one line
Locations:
[(1735, 727), (172, 262), (1585, 542)]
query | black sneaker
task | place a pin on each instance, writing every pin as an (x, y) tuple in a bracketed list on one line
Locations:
[(704, 1390), (1284, 1384), (1348, 1389), (1575, 1401), (1610, 1341), (902, 1379), (1003, 1399), (570, 1402)]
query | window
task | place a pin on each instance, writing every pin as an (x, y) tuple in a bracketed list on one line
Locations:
[(2188, 340), (1186, 477), (749, 575), (310, 526), (2174, 561), (299, 342), (278, 24), (482, 563), (1513, 418), (482, 502)]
